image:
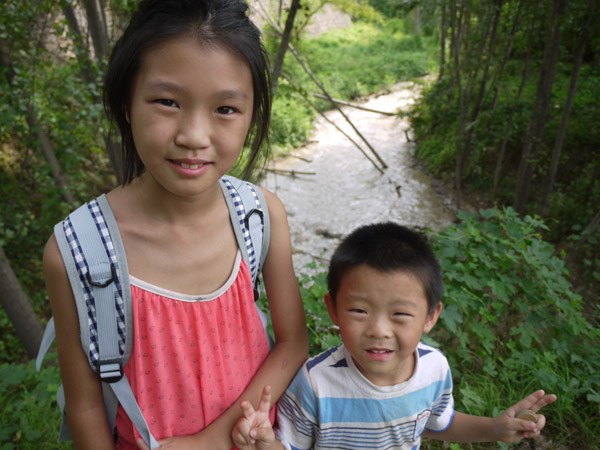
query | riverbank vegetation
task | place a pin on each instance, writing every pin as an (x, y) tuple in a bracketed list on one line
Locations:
[(518, 314)]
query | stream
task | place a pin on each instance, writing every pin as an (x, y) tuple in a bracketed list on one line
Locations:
[(344, 190)]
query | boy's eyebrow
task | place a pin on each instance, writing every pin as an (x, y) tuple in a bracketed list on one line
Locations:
[(174, 87)]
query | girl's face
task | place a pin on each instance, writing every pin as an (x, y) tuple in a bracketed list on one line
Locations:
[(190, 112)]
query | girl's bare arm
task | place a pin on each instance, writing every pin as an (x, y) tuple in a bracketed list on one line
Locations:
[(85, 410)]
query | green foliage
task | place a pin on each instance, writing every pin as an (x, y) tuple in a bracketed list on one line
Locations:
[(30, 418), (510, 316), (322, 333), (291, 118), (386, 56)]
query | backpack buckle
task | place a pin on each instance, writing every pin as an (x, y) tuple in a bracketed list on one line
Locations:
[(100, 275), (250, 213), (110, 370)]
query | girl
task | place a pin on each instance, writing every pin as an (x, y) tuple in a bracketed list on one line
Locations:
[(187, 83)]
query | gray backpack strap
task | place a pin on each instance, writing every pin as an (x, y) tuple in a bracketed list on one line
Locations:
[(47, 339), (250, 219), (94, 257)]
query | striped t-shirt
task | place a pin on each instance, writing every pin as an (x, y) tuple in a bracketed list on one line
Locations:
[(331, 405)]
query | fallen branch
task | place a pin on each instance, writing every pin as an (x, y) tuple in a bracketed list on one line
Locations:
[(291, 173), (353, 105), (304, 65)]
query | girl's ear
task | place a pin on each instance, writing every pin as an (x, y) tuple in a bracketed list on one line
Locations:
[(331, 309), (126, 112), (432, 318)]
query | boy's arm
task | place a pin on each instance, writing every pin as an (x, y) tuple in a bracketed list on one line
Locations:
[(505, 427), (254, 430)]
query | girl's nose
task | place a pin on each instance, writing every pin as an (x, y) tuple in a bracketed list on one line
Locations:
[(193, 132)]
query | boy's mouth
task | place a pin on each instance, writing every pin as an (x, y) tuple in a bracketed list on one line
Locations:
[(379, 354)]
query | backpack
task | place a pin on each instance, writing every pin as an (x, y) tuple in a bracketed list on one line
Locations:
[(94, 257)]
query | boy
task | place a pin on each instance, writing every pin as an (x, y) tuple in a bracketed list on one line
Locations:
[(382, 388)]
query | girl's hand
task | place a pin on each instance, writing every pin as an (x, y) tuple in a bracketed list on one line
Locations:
[(254, 430), (510, 429)]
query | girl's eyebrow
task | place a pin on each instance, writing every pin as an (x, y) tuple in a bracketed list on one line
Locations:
[(174, 87)]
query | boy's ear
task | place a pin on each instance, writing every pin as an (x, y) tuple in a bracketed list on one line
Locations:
[(432, 318), (331, 309)]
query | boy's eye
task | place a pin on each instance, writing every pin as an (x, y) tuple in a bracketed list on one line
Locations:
[(225, 110), (167, 102), (401, 314), (358, 311)]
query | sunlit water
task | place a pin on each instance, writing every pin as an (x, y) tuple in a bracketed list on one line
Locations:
[(346, 190)]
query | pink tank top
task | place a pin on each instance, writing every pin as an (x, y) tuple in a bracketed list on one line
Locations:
[(192, 356)]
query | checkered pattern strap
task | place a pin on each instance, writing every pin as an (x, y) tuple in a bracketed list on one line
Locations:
[(94, 257), (248, 219), (97, 267)]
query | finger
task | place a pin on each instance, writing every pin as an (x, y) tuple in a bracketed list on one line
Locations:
[(545, 400), (263, 434), (265, 400), (239, 438), (243, 428), (527, 403), (247, 409), (541, 422)]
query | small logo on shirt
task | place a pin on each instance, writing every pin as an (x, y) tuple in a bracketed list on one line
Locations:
[(421, 422)]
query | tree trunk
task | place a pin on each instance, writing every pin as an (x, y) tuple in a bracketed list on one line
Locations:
[(19, 310), (97, 25), (541, 107), (524, 75), (55, 169), (466, 150), (456, 45), (97, 28), (417, 20), (562, 131), (442, 41), (285, 40), (507, 54), (37, 133)]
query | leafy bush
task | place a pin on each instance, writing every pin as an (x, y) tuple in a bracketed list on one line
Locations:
[(30, 418), (511, 321)]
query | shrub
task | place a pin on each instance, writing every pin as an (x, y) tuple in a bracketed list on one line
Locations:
[(510, 316)]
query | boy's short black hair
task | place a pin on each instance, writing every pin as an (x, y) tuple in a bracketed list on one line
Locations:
[(387, 247)]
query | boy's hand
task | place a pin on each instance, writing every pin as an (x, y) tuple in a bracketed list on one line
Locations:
[(511, 429), (254, 430)]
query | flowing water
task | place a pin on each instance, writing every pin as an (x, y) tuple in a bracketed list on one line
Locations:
[(344, 190)]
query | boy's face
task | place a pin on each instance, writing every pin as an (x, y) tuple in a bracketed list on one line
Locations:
[(382, 316)]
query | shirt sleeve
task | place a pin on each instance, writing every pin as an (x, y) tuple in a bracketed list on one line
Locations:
[(296, 414), (442, 409)]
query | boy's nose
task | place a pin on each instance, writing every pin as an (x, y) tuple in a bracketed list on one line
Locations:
[(379, 328), (193, 132)]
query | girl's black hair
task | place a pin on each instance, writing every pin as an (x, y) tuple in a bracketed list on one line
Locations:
[(387, 247), (221, 23)]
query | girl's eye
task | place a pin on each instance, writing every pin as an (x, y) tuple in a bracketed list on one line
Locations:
[(167, 102), (358, 311), (225, 110)]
